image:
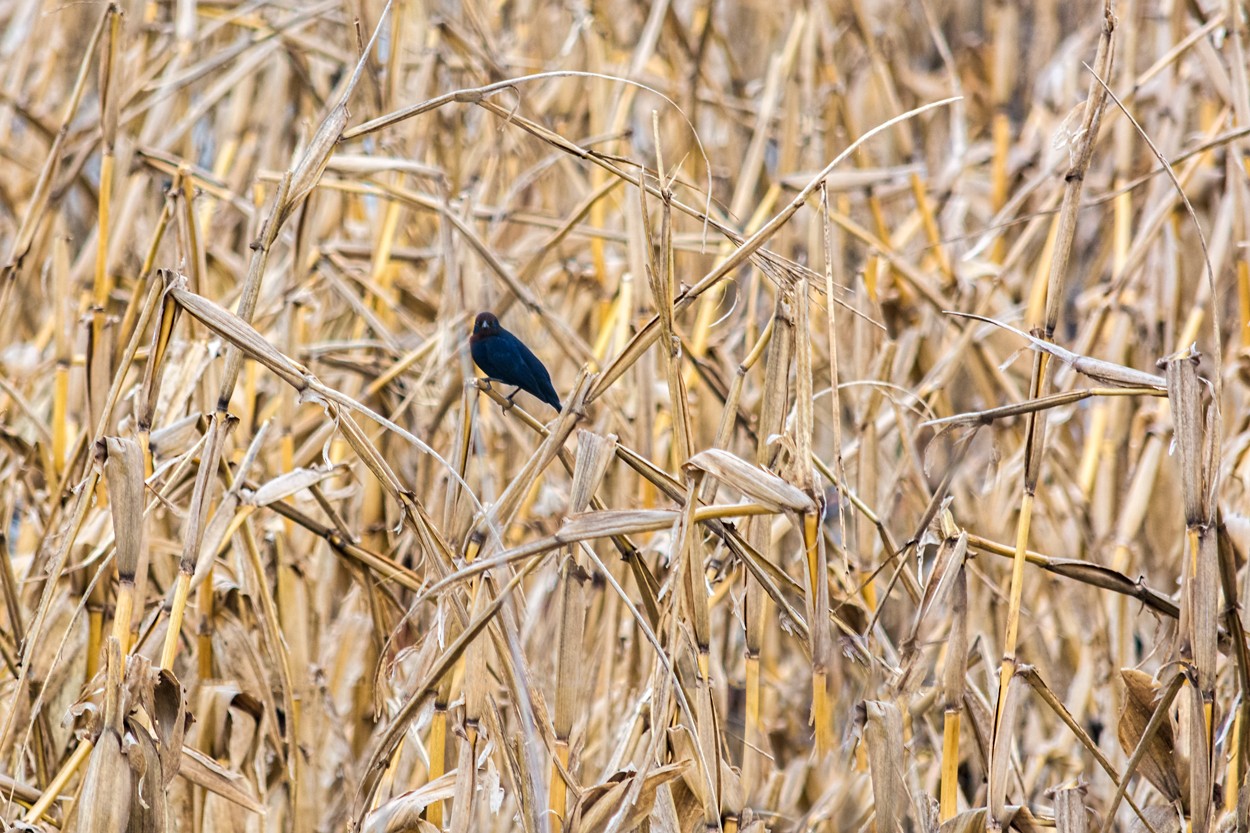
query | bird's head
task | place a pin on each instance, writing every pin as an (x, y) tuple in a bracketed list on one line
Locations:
[(485, 325)]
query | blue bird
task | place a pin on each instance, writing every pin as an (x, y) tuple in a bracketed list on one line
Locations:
[(503, 358)]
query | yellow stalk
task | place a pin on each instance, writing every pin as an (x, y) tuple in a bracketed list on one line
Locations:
[(1243, 300), (1191, 537), (1093, 445), (101, 286), (57, 784), (95, 632), (949, 802), (204, 637), (122, 615), (438, 759), (1001, 131), (60, 403), (1013, 604), (558, 792), (1041, 276), (871, 265), (606, 330), (931, 232), (181, 590), (732, 510), (822, 709), (1193, 323)]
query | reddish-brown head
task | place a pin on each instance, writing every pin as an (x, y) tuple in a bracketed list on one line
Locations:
[(485, 326)]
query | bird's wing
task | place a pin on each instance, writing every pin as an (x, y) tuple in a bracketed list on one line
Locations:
[(505, 358), (544, 390)]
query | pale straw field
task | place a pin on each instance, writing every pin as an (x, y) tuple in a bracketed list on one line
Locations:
[(901, 482)]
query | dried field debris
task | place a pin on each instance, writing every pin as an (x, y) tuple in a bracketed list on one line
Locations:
[(900, 481)]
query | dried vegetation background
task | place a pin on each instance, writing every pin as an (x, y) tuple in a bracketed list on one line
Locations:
[(806, 550)]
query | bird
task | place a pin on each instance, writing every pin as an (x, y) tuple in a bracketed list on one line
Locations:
[(504, 358)]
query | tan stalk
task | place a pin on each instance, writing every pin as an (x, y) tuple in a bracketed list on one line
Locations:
[(1131, 516), (1124, 148), (123, 468), (35, 632), (1151, 738), (883, 738), (1029, 674), (1200, 604), (694, 593), (1070, 813), (1035, 437), (777, 360), (193, 537), (436, 744), (100, 351), (953, 681), (1239, 752), (1236, 782), (37, 204), (63, 301), (867, 484), (745, 198), (593, 457), (815, 554), (1002, 79), (153, 370)]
